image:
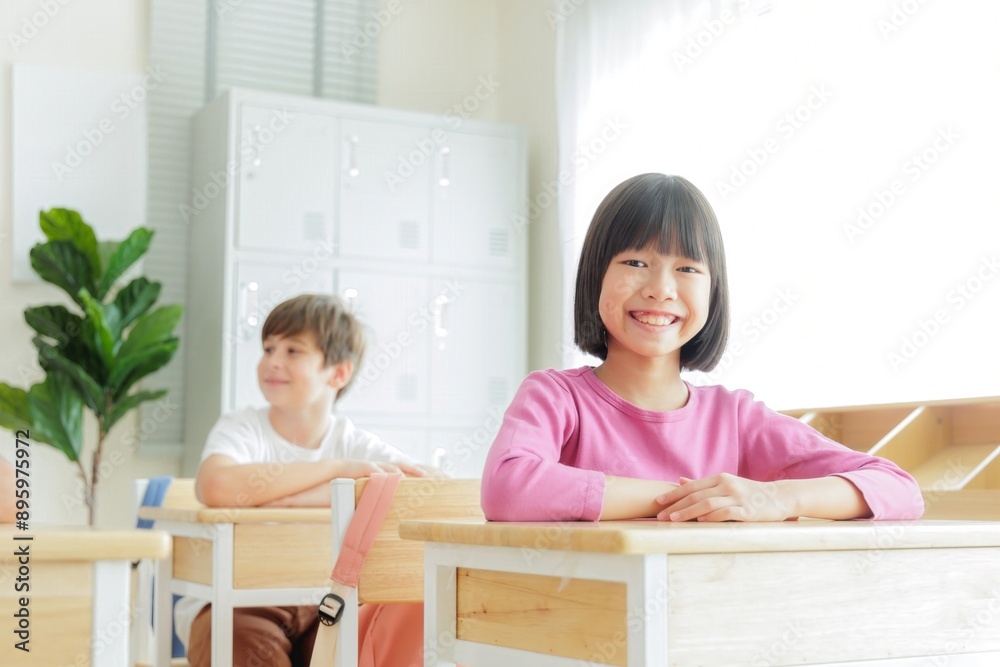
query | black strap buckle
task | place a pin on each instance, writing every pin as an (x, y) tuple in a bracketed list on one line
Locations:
[(327, 619)]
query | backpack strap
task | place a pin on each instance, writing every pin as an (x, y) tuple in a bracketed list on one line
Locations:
[(365, 525)]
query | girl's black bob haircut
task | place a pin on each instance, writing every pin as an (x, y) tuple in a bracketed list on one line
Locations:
[(672, 213)]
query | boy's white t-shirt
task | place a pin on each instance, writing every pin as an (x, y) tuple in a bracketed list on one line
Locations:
[(246, 436)]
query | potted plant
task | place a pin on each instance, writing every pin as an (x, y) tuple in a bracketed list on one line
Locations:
[(92, 358)]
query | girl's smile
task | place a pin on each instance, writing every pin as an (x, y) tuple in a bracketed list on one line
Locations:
[(656, 320)]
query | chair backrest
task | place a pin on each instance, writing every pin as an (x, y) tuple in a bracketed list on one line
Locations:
[(394, 569)]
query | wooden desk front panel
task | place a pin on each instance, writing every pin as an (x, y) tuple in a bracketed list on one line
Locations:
[(778, 608), (265, 555), (282, 555), (575, 618), (193, 560), (61, 608)]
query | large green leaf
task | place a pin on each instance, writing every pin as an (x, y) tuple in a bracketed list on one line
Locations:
[(55, 322), (63, 224), (56, 413), (153, 327), (135, 299), (13, 408), (63, 265), (105, 249), (124, 256), (131, 369), (97, 330), (129, 402), (53, 361)]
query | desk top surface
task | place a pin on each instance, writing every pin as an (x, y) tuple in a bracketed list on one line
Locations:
[(82, 543), (649, 536), (238, 514)]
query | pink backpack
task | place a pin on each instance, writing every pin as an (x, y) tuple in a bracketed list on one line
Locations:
[(389, 635)]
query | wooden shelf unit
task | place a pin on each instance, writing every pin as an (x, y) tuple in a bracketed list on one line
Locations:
[(952, 448)]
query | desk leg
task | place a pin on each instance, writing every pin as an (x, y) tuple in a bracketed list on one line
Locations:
[(163, 614), (222, 597), (110, 627), (648, 599), (439, 610)]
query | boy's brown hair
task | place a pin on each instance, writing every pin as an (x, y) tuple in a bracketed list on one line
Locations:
[(336, 331)]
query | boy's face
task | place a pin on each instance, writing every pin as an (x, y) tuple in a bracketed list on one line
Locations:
[(292, 373)]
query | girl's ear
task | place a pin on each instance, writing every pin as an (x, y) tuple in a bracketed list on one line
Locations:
[(342, 373)]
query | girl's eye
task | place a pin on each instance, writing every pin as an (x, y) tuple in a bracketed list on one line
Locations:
[(635, 262), (688, 269), (292, 350)]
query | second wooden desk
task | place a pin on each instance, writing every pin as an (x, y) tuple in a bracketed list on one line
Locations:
[(649, 593)]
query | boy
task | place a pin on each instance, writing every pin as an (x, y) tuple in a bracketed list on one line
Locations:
[(285, 455)]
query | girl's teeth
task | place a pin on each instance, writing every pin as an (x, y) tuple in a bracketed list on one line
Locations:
[(658, 320)]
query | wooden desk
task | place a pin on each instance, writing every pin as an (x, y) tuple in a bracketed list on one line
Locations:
[(239, 558), (78, 581), (648, 593)]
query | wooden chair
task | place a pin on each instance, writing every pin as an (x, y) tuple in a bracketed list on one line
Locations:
[(394, 568), (180, 494)]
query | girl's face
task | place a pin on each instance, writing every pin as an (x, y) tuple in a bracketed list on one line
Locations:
[(652, 304)]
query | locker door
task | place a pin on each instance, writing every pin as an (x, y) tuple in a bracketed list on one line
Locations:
[(476, 201), (393, 377), (286, 181), (478, 328), (385, 190)]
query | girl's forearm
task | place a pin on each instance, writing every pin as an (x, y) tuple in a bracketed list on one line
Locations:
[(824, 498), (629, 498)]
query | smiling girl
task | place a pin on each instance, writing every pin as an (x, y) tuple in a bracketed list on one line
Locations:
[(630, 438)]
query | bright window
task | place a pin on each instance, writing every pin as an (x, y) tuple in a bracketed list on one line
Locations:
[(849, 149)]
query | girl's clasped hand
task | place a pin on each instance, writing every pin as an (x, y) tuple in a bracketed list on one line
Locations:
[(725, 497)]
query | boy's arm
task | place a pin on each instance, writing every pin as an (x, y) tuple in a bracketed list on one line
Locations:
[(319, 495), (222, 482)]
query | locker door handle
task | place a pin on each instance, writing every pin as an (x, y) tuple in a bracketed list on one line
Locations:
[(445, 179), (438, 310), (351, 299), (352, 156), (249, 303)]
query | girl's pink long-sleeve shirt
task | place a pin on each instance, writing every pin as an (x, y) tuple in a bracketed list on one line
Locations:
[(565, 430)]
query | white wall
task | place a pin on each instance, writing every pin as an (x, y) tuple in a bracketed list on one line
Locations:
[(432, 57), (106, 35)]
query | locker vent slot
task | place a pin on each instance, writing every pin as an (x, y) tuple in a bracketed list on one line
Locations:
[(406, 387), (497, 390), (499, 242), (409, 234), (314, 226)]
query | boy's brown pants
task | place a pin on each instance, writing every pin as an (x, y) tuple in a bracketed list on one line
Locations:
[(262, 637), (389, 635)]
